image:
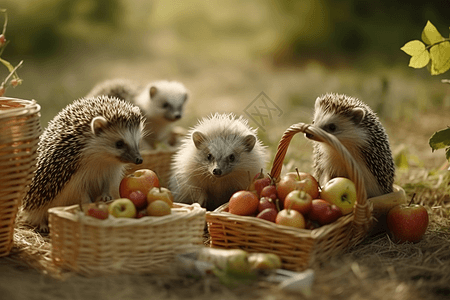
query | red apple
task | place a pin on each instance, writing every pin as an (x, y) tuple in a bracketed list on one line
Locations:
[(269, 191), (122, 208), (298, 200), (297, 181), (266, 202), (341, 192), (290, 217), (160, 193), (142, 180), (407, 222), (243, 203), (323, 212), (269, 214), (139, 199), (98, 210), (259, 182)]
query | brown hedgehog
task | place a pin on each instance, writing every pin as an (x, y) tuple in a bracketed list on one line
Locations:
[(358, 128), (82, 156)]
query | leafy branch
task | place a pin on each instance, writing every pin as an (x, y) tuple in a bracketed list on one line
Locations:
[(433, 47), (13, 78)]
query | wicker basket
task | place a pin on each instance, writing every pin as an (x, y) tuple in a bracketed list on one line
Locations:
[(121, 245), (298, 248), (19, 136)]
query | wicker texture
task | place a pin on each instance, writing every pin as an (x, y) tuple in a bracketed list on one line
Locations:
[(121, 245), (298, 248), (19, 136)]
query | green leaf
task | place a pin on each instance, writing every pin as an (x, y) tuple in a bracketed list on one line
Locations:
[(413, 47), (447, 154), (430, 35), (440, 139), (440, 58), (7, 64), (420, 56)]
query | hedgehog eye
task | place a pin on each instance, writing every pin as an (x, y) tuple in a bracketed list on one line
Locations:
[(165, 105), (120, 144), (231, 158), (330, 128), (209, 157)]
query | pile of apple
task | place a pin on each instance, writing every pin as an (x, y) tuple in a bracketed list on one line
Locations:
[(295, 200), (140, 195)]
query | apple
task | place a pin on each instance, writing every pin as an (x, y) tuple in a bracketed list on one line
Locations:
[(122, 208), (297, 181), (259, 182), (298, 200), (290, 217), (142, 213), (158, 208), (407, 222), (323, 212), (266, 202), (97, 210), (264, 261), (139, 199), (160, 193), (269, 191), (341, 192), (243, 203), (143, 180), (269, 214)]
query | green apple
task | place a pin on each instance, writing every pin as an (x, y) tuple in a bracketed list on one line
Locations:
[(158, 208), (341, 192), (122, 208)]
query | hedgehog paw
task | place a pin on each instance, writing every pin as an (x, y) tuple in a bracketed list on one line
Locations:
[(105, 198)]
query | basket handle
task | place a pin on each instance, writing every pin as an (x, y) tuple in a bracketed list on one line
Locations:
[(362, 210)]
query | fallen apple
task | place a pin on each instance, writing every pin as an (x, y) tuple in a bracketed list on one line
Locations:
[(264, 261), (158, 208), (143, 180), (160, 193), (290, 217), (122, 208), (298, 200), (407, 222), (98, 210), (341, 192), (323, 212)]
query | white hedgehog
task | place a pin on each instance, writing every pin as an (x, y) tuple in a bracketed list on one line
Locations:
[(218, 157), (82, 156), (358, 128), (162, 102)]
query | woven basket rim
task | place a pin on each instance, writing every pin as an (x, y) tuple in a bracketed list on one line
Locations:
[(314, 233), (19, 111), (179, 211)]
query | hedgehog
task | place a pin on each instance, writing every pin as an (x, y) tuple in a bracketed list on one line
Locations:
[(162, 102), (82, 156), (358, 128), (218, 157)]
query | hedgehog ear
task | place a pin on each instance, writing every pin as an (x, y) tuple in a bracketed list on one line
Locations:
[(249, 142), (199, 139), (153, 91), (98, 124), (358, 115)]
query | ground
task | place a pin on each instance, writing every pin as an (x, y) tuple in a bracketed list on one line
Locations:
[(375, 269)]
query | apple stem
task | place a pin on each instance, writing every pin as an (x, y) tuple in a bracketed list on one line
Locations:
[(412, 199), (272, 180), (160, 189), (298, 173)]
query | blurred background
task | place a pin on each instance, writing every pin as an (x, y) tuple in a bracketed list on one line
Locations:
[(228, 52)]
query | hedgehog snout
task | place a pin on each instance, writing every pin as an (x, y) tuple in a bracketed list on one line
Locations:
[(217, 172)]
